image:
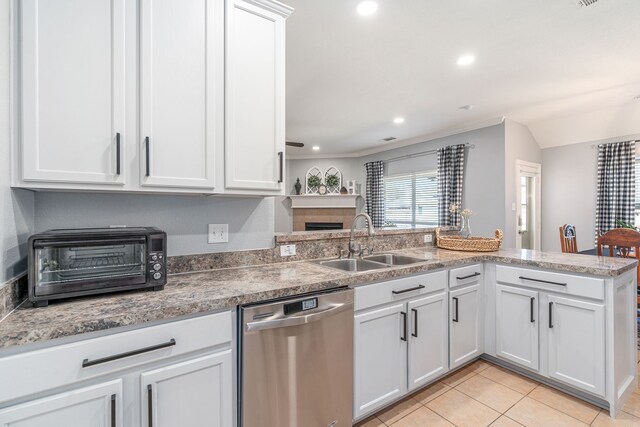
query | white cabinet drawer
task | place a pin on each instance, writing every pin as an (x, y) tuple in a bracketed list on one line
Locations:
[(589, 287), (45, 369), (399, 289), (467, 275)]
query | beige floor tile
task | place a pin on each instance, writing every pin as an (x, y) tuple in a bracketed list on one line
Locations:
[(532, 413), (459, 376), (565, 403), (633, 404), (622, 420), (512, 380), (423, 417), (503, 421), (370, 422), (494, 395), (399, 410), (462, 410), (479, 365), (431, 392)]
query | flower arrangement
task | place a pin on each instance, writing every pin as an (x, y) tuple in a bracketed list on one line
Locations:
[(333, 181), (314, 181), (465, 213)]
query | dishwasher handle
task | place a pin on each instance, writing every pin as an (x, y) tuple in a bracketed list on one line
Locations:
[(298, 320)]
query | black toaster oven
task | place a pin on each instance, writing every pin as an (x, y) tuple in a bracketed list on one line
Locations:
[(87, 261)]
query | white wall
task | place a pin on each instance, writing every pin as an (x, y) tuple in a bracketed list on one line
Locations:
[(16, 206), (519, 145)]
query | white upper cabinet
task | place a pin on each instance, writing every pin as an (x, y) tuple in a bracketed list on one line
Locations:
[(72, 83), (181, 91), (255, 95)]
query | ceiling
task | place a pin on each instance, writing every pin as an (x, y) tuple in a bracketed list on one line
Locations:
[(348, 76)]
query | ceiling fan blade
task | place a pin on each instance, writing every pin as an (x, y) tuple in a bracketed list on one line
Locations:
[(295, 144)]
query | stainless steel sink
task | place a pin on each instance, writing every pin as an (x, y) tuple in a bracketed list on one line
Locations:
[(352, 265), (393, 259)]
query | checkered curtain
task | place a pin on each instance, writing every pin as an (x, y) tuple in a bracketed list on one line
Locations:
[(616, 193), (375, 192), (450, 179)]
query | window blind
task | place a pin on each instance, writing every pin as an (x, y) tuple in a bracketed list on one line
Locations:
[(412, 199)]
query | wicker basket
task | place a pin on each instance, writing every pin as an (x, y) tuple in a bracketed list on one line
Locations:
[(470, 244)]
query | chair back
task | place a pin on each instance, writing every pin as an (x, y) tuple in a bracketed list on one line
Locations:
[(568, 239), (623, 240)]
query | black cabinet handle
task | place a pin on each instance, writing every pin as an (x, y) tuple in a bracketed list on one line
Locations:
[(469, 276), (86, 362), (408, 290), (455, 305), (147, 144), (281, 159), (551, 315), (118, 153), (150, 404), (404, 326), (542, 281), (532, 301), (415, 323), (113, 410)]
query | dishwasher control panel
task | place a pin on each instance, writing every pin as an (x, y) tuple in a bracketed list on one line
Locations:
[(303, 305)]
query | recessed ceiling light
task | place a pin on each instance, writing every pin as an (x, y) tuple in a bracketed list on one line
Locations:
[(466, 60), (466, 107), (637, 97), (315, 148), (367, 7), (398, 120)]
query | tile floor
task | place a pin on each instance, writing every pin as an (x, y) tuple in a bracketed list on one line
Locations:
[(482, 394)]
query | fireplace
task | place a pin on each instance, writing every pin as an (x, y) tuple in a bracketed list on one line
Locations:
[(315, 226)]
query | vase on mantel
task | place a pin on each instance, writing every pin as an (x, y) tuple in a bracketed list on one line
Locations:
[(465, 231)]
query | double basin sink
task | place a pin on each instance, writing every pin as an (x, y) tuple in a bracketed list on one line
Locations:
[(372, 262)]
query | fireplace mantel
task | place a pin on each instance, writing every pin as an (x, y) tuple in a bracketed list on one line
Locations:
[(328, 201)]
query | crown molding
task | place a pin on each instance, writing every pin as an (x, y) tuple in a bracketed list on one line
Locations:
[(273, 6)]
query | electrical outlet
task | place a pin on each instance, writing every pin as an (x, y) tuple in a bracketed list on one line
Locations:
[(428, 238), (287, 250), (218, 233)]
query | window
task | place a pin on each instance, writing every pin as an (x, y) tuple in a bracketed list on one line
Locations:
[(412, 199), (523, 203)]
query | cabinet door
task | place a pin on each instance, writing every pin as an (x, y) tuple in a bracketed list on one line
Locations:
[(464, 325), (576, 343), (517, 325), (95, 406), (254, 130), (181, 83), (72, 91), (428, 339), (187, 393), (380, 354)]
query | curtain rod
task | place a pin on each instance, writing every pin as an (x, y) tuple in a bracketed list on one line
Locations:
[(421, 153)]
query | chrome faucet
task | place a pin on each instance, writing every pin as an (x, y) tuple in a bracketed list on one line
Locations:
[(352, 243)]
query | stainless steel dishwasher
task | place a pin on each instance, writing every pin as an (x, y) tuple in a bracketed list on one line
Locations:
[(297, 362)]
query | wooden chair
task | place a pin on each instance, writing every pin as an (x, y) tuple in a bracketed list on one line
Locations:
[(622, 242), (568, 239)]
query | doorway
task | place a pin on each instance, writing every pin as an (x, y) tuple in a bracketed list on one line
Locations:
[(528, 177)]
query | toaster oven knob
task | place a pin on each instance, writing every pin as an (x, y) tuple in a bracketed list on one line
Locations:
[(154, 257), (157, 275), (157, 266)]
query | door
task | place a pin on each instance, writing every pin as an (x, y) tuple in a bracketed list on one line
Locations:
[(186, 393), (517, 326), (464, 325), (254, 131), (528, 176), (181, 88), (72, 91), (380, 356), (428, 339), (95, 406), (576, 343)]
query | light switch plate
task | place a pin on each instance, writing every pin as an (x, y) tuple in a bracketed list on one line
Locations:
[(218, 233), (428, 238), (287, 250)]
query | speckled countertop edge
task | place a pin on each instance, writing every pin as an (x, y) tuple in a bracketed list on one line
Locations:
[(202, 292), (305, 236)]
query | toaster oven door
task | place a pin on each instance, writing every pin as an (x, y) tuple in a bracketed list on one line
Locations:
[(77, 265)]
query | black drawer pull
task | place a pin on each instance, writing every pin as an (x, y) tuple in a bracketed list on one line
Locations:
[(86, 362), (150, 404), (281, 160), (551, 315), (404, 326), (147, 145), (408, 290), (415, 323), (113, 410), (118, 153), (469, 276), (532, 301), (542, 281), (455, 303)]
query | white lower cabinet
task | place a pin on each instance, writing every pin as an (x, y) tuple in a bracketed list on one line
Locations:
[(189, 392), (517, 321), (99, 405), (464, 325), (576, 347)]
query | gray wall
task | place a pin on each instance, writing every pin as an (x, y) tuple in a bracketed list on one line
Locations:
[(16, 206)]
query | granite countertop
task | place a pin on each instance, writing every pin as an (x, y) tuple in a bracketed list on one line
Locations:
[(201, 292)]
